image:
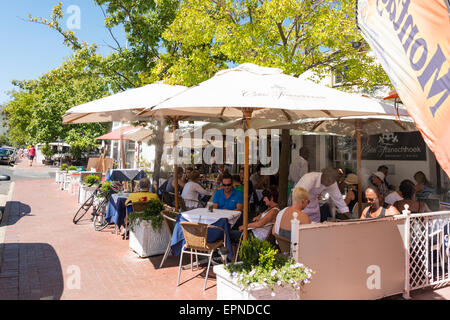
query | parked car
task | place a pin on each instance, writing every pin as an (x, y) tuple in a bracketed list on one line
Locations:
[(7, 156), (13, 153)]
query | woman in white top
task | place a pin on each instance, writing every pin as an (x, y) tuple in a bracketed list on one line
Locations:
[(192, 190)]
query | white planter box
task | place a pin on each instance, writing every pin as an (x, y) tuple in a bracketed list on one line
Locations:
[(59, 176), (229, 289), (147, 242), (85, 193)]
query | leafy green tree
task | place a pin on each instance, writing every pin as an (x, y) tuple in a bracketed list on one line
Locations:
[(36, 108), (294, 35), (143, 22)]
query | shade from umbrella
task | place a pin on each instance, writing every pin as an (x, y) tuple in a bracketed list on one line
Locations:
[(346, 126), (123, 106)]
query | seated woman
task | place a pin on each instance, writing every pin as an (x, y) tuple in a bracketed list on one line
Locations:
[(377, 208), (409, 197), (424, 188), (261, 225), (143, 195), (192, 190), (351, 198), (282, 226)]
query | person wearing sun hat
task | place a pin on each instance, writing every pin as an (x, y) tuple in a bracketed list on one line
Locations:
[(351, 196), (377, 180)]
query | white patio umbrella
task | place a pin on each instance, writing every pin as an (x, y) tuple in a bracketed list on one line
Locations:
[(250, 91), (122, 106)]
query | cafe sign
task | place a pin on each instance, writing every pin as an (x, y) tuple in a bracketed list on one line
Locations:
[(394, 146)]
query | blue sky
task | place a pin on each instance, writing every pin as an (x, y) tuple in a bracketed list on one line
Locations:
[(29, 49)]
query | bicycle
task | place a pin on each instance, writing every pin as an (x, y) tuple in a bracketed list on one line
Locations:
[(98, 201)]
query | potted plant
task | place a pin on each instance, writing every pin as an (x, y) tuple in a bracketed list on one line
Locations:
[(263, 274), (148, 234), (48, 152), (88, 186), (72, 169), (59, 174)]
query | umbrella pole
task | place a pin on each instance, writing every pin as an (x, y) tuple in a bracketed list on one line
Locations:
[(358, 164), (122, 150), (175, 167), (247, 116)]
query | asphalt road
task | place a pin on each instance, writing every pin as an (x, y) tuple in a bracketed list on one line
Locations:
[(17, 174)]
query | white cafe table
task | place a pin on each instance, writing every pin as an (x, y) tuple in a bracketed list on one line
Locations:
[(202, 215)]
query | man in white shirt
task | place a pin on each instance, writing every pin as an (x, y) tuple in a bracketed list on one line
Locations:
[(300, 166), (322, 182)]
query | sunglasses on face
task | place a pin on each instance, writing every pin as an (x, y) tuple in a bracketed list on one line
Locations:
[(227, 185), (371, 199)]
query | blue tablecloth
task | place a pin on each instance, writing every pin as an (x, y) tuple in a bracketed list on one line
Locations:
[(178, 241), (125, 174), (116, 210)]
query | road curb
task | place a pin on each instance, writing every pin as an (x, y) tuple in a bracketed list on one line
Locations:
[(3, 224)]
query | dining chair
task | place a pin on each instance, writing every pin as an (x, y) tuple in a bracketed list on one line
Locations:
[(170, 223), (268, 237), (196, 238)]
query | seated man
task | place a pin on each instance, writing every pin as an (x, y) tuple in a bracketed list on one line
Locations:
[(377, 207), (143, 195), (228, 198)]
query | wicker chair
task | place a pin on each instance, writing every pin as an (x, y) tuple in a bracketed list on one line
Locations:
[(284, 244), (196, 235), (170, 223)]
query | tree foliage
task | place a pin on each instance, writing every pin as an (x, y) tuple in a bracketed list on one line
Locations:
[(35, 111), (294, 35)]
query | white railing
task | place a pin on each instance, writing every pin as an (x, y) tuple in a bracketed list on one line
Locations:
[(427, 259)]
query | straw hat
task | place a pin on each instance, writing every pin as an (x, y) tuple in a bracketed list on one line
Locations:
[(351, 179), (379, 174)]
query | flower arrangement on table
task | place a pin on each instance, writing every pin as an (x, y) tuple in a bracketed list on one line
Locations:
[(152, 213), (263, 264)]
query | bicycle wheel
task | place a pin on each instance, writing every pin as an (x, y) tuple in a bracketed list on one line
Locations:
[(99, 214), (83, 209)]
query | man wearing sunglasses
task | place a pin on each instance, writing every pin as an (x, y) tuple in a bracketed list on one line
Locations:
[(228, 198)]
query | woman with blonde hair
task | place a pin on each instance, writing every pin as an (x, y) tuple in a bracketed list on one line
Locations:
[(282, 226)]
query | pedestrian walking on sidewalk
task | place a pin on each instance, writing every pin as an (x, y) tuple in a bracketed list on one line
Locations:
[(31, 154)]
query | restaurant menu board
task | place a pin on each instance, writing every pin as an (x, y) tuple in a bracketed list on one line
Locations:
[(394, 146)]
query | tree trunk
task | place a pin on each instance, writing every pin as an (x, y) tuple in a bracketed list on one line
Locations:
[(159, 148), (284, 168)]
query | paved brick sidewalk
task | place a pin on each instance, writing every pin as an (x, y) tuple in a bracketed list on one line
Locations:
[(43, 250)]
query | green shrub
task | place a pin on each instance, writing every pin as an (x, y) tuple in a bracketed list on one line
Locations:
[(106, 188), (152, 213), (47, 151), (72, 168), (64, 167), (262, 264), (90, 180)]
